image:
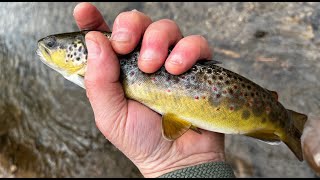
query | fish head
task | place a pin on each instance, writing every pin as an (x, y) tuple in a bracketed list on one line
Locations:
[(65, 53)]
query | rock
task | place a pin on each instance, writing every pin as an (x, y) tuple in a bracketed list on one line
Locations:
[(47, 125)]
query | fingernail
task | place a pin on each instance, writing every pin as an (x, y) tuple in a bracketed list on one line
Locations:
[(93, 49), (121, 36), (134, 10), (175, 59), (149, 55)]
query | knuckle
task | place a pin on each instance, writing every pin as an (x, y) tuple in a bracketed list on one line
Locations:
[(168, 22), (198, 38), (123, 14), (91, 85), (133, 15)]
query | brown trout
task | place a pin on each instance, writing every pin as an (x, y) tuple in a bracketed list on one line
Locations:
[(207, 96)]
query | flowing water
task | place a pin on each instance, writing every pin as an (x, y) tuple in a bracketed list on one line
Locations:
[(46, 123)]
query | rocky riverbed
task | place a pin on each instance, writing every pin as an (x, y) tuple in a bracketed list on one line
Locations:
[(46, 123)]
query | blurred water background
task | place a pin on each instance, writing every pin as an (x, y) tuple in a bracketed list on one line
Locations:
[(46, 122)]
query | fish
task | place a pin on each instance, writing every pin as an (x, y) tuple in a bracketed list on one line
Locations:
[(207, 96)]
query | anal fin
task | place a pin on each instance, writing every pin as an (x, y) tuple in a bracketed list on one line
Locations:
[(173, 127), (265, 136)]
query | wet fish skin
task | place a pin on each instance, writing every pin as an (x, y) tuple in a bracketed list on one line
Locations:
[(207, 96)]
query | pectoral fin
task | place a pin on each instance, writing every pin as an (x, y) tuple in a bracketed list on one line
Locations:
[(77, 79), (173, 127)]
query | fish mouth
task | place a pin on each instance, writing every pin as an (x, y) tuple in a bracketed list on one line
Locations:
[(42, 49), (44, 53)]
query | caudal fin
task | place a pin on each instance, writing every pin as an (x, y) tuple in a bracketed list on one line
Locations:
[(293, 138)]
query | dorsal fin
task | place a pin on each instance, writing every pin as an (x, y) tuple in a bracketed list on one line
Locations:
[(274, 94), (208, 62)]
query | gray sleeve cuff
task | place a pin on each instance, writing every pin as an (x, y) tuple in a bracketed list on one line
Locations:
[(206, 170)]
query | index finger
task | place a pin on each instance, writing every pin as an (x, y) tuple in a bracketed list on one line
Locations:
[(88, 16)]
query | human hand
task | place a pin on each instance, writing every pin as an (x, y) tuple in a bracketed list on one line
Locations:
[(310, 143), (132, 127)]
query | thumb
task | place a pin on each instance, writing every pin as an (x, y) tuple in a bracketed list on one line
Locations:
[(102, 81)]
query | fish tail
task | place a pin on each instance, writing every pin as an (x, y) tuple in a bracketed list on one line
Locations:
[(293, 138)]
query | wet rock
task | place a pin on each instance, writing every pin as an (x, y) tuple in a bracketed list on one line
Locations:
[(47, 126)]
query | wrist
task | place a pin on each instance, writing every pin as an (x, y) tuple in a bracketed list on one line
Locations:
[(170, 164)]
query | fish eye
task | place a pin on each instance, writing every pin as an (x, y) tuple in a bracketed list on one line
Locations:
[(51, 41)]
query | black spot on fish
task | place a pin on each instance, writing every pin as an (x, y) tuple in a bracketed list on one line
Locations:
[(273, 116), (263, 120), (80, 48), (194, 68), (257, 110), (252, 94), (75, 53), (70, 48), (75, 45), (230, 91), (68, 55), (78, 59), (209, 71), (227, 82), (245, 114), (71, 56), (221, 77), (249, 87), (85, 51)]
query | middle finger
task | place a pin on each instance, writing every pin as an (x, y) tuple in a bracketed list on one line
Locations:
[(158, 37)]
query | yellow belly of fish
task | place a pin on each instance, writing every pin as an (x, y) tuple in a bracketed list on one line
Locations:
[(199, 111)]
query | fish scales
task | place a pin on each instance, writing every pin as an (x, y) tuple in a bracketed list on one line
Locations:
[(210, 97), (207, 96)]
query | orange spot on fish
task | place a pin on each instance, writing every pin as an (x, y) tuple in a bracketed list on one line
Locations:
[(168, 90), (196, 97)]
